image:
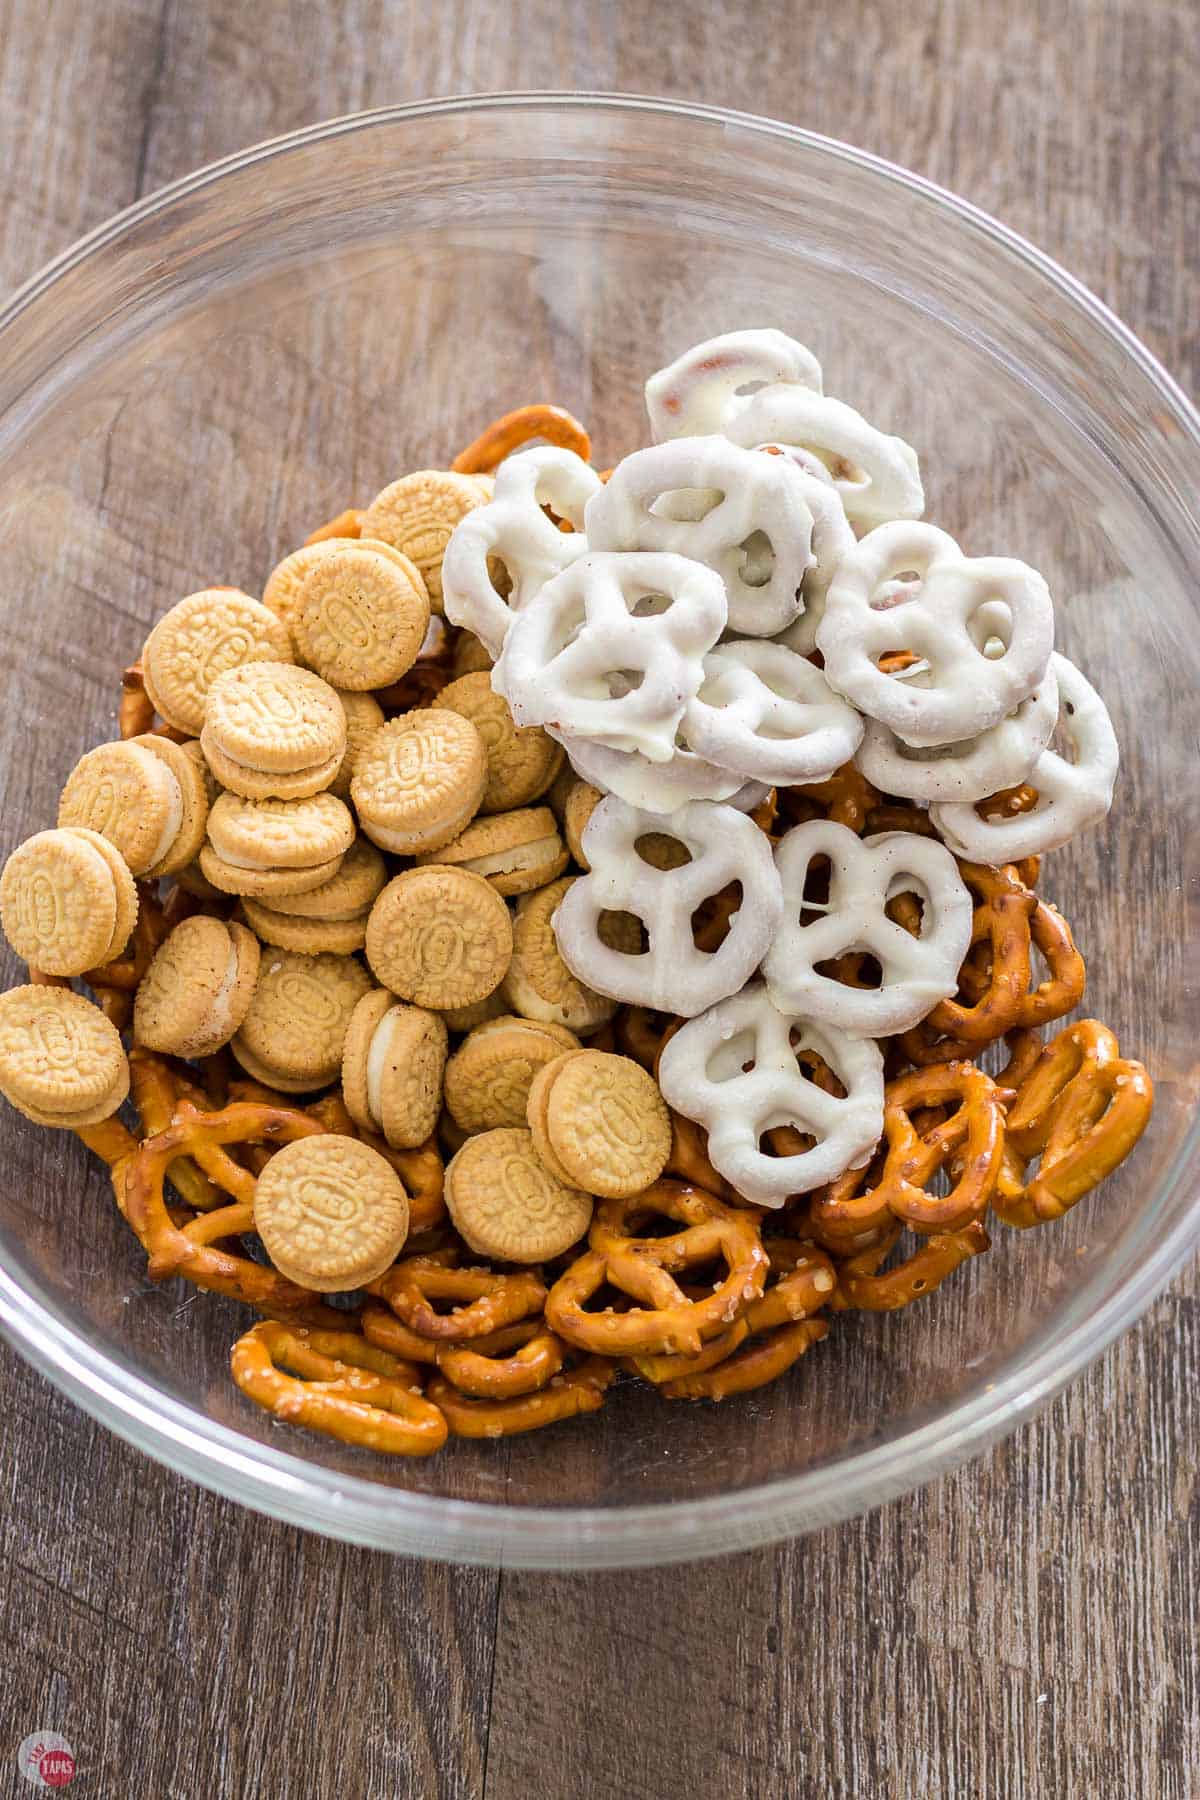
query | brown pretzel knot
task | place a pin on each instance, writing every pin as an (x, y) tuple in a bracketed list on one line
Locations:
[(1080, 1109), (519, 1360), (574, 1391), (861, 1288), (663, 1317), (549, 424), (337, 1383), (965, 1137), (482, 1301), (346, 524), (688, 1161)]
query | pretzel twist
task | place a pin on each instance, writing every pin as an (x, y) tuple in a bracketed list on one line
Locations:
[(337, 1383), (519, 1360), (861, 1288), (575, 1391), (482, 1301), (525, 425)]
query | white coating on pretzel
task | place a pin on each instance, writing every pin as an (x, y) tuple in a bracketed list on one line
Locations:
[(654, 787), (998, 758), (698, 392), (948, 620), (611, 616), (864, 874), (1071, 795), (876, 476), (832, 539), (513, 528), (770, 714), (743, 515), (673, 974), (734, 1070)]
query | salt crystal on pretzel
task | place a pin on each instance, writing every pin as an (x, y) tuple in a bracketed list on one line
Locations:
[(961, 613), (770, 714), (1000, 757), (864, 875), (513, 529), (1071, 795), (743, 515), (673, 973), (611, 649), (735, 1070), (700, 390)]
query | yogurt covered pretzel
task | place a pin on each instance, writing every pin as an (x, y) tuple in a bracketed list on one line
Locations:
[(768, 713), (951, 620), (655, 786), (832, 539), (1071, 795), (611, 649), (512, 528), (745, 516), (735, 1070), (699, 392), (864, 874), (998, 758), (673, 974)]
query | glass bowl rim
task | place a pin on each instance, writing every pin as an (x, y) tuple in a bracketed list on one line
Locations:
[(287, 1486)]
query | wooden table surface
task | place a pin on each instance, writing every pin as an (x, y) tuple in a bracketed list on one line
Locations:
[(992, 1635)]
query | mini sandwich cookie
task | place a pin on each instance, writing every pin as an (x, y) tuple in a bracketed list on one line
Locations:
[(198, 640), (581, 802), (516, 852), (364, 716), (338, 908), (489, 1076), (146, 797), (286, 580), (419, 780), (507, 1205), (67, 901), (273, 731), (599, 1121), (392, 1065), (270, 848), (439, 937), (332, 1213), (522, 760), (61, 1061), (539, 984), (292, 1035), (197, 991), (361, 616), (417, 514)]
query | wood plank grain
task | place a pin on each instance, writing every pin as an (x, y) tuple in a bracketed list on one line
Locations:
[(1022, 1628)]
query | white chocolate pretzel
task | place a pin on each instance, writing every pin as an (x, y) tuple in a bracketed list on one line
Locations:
[(998, 758), (768, 713), (963, 611), (611, 649), (735, 1070), (513, 529), (698, 392), (745, 516), (864, 874), (654, 787), (1071, 795), (832, 539), (673, 974)]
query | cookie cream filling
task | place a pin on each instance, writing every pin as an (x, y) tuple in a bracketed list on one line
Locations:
[(173, 823), (220, 1013), (518, 857), (377, 1062)]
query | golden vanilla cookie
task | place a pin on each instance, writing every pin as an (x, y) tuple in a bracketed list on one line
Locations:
[(128, 796), (581, 802), (599, 1122), (273, 731), (417, 514), (470, 655), (197, 990), (294, 1029), (263, 884), (489, 1076), (192, 778), (349, 895), (331, 1212), (362, 616), (516, 851), (280, 834), (419, 780), (199, 639), (67, 901), (286, 580), (291, 931), (507, 1205), (61, 1060), (392, 1065), (364, 715), (466, 1018), (539, 984), (439, 937), (522, 760)]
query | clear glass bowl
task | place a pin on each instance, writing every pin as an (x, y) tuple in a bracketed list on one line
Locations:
[(192, 388)]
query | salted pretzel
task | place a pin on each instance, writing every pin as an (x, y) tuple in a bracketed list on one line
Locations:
[(577, 1390), (862, 1287), (519, 1360), (1070, 796), (641, 1031), (847, 797), (347, 524), (992, 760), (336, 1383), (737, 1071), (573, 650), (156, 1089), (724, 846), (527, 424), (650, 503), (663, 1317), (1079, 1110), (917, 967), (965, 688), (512, 530), (967, 1144), (769, 715), (481, 1300)]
